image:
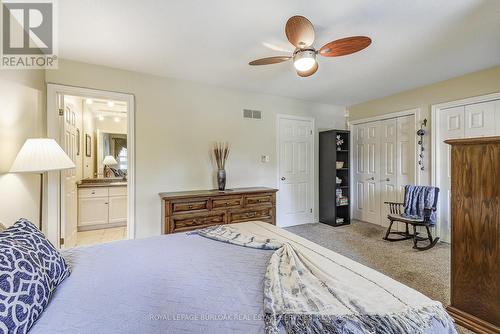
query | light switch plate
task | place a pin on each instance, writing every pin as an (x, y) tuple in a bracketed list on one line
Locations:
[(264, 158)]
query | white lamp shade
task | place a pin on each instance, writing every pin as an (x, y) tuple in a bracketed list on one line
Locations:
[(40, 155), (109, 160)]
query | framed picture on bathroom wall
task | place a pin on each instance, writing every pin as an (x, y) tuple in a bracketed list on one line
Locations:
[(77, 141), (88, 145)]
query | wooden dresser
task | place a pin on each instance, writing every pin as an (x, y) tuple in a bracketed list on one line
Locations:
[(191, 210), (475, 233)]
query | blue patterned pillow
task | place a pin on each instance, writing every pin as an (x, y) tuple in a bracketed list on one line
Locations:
[(24, 287), (30, 270), (27, 234)]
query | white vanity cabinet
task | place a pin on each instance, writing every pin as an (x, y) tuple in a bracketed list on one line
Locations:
[(101, 207), (117, 208)]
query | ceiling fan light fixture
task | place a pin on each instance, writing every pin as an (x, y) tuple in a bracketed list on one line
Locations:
[(304, 60)]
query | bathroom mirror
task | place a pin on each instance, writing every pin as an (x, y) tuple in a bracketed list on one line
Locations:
[(115, 145)]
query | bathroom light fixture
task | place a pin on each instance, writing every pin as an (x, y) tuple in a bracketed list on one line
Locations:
[(111, 104), (101, 118), (304, 60), (117, 119), (89, 101)]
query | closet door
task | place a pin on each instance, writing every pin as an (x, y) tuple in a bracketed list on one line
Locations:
[(480, 119), (451, 126), (366, 173), (388, 166), (406, 154), (358, 147)]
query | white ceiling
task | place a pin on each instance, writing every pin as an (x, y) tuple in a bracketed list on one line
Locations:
[(415, 42)]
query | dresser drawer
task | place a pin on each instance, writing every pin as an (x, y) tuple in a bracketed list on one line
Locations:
[(249, 215), (227, 202), (192, 205), (259, 200), (93, 192), (182, 223)]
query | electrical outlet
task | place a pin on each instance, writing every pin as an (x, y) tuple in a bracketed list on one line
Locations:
[(264, 158)]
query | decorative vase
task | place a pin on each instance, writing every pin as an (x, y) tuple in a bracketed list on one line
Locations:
[(221, 179)]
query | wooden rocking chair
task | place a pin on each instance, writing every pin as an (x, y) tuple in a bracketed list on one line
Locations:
[(396, 211)]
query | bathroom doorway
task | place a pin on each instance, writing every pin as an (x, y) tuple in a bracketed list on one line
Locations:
[(94, 203)]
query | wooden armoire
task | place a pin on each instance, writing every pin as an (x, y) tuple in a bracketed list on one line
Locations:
[(475, 233)]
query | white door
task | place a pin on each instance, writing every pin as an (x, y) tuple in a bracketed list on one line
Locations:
[(451, 126), (69, 213), (406, 154), (295, 196), (474, 120), (388, 166), (366, 174), (480, 119), (384, 162)]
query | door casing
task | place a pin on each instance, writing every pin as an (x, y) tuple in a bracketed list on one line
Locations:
[(52, 204)]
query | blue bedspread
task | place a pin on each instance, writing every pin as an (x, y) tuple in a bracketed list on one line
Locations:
[(168, 284)]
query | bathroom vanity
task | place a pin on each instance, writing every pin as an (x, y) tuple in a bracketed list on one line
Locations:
[(102, 203)]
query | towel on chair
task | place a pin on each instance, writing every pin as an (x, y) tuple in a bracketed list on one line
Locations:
[(416, 199)]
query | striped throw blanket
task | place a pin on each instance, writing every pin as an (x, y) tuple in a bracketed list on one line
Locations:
[(309, 289), (416, 199)]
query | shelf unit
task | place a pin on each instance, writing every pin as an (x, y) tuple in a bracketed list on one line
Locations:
[(329, 208)]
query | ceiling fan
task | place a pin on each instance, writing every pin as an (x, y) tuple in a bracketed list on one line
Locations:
[(300, 32)]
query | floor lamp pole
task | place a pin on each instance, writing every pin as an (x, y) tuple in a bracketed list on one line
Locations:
[(41, 200)]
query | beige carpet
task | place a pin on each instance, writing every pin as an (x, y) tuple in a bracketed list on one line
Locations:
[(427, 271)]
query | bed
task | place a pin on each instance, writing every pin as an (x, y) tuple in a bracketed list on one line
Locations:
[(181, 283)]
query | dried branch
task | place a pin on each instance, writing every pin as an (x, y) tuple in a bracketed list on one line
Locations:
[(221, 153)]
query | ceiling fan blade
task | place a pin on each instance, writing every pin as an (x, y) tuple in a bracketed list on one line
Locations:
[(299, 31), (269, 60), (345, 46), (310, 72)]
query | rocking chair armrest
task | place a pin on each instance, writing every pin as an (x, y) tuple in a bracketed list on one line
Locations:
[(396, 203), (395, 207)]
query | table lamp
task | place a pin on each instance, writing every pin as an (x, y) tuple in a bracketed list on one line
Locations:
[(109, 160), (40, 155)]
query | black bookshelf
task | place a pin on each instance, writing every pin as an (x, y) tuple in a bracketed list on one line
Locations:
[(331, 209)]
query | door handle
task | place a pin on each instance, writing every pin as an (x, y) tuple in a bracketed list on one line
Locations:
[(387, 180), (371, 179), (283, 178)]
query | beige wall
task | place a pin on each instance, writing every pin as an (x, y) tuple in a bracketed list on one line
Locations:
[(473, 84), (178, 121), (22, 115)]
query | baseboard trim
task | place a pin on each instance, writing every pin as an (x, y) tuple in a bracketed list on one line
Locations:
[(471, 322), (100, 226)]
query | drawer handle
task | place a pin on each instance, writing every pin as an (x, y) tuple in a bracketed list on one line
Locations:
[(190, 206), (93, 192)]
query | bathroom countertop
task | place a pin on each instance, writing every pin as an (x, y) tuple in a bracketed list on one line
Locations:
[(101, 184)]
